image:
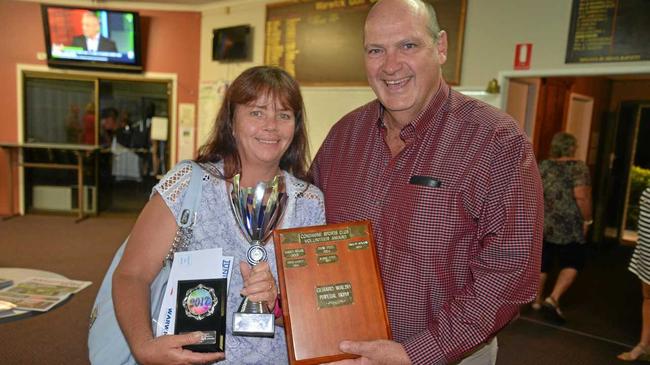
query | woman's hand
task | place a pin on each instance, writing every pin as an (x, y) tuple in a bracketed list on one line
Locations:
[(169, 350), (259, 284)]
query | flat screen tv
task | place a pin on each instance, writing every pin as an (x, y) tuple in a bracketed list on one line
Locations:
[(232, 43), (103, 39)]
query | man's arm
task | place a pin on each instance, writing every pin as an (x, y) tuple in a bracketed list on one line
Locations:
[(505, 270)]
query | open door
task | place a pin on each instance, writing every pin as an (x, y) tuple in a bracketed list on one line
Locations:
[(578, 122), (522, 103), (630, 158)]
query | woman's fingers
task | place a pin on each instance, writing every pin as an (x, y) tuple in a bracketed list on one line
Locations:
[(259, 283)]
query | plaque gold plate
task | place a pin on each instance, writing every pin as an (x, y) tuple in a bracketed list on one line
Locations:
[(331, 290)]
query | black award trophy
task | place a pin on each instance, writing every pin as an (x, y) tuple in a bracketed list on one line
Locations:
[(201, 306)]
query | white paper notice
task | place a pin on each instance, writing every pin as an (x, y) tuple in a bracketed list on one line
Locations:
[(190, 265), (186, 143), (159, 128), (186, 114), (211, 95)]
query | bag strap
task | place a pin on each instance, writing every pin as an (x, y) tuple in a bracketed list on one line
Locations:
[(192, 199)]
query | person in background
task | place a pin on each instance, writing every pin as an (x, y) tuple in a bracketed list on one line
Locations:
[(108, 124), (260, 133), (451, 187), (88, 121), (567, 217), (640, 265), (73, 127), (91, 40), (123, 133)]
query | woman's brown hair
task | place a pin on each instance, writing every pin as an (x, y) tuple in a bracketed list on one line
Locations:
[(248, 87)]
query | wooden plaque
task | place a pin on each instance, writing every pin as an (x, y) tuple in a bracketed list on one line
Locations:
[(331, 289)]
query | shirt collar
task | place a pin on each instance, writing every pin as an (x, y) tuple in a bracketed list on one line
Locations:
[(422, 122)]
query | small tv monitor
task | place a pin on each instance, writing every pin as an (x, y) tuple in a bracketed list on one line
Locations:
[(77, 37), (232, 43)]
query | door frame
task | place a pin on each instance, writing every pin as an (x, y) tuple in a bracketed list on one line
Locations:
[(575, 127)]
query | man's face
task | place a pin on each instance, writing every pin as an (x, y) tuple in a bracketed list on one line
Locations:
[(89, 26), (402, 60)]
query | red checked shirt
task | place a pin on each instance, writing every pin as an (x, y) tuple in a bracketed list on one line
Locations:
[(457, 218)]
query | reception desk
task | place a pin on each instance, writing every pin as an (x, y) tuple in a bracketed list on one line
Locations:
[(14, 158)]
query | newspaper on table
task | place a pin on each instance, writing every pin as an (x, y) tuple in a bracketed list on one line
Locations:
[(5, 283), (41, 294), (6, 308), (189, 265)]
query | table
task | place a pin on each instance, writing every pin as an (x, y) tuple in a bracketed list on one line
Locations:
[(19, 274), (80, 151)]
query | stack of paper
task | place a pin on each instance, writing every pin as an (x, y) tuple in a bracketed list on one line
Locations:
[(41, 294), (6, 308), (5, 283)]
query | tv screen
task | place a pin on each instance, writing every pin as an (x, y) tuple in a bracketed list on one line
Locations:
[(92, 38), (231, 44)]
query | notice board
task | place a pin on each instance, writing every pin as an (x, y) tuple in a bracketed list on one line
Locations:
[(609, 31), (320, 42)]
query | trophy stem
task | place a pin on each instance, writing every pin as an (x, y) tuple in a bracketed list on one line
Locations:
[(248, 306)]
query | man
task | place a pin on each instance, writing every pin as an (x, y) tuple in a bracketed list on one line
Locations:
[(451, 187), (91, 40)]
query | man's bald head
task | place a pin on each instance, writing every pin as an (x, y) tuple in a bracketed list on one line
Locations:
[(416, 8)]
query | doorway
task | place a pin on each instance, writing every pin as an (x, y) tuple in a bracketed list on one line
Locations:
[(630, 170), (124, 122), (602, 111), (135, 151)]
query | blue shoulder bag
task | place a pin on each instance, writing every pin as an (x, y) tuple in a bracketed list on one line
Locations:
[(106, 343)]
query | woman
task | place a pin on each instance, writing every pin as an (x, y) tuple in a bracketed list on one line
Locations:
[(640, 265), (567, 216), (260, 133)]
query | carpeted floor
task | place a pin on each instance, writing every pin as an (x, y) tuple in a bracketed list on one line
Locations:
[(80, 251), (603, 307)]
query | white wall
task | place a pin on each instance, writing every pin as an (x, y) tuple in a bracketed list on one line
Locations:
[(492, 30), (324, 105)]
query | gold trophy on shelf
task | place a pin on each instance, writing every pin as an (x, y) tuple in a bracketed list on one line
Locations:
[(257, 210)]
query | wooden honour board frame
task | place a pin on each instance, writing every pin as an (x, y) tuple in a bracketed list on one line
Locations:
[(348, 271)]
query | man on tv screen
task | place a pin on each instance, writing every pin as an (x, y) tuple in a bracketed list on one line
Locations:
[(91, 40)]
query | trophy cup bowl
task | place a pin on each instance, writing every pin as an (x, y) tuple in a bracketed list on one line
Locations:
[(257, 211)]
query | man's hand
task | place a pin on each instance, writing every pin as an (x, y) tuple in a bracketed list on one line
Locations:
[(378, 352)]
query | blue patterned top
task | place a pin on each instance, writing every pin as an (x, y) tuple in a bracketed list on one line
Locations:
[(216, 227)]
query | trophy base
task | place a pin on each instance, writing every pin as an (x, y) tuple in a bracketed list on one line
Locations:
[(253, 324)]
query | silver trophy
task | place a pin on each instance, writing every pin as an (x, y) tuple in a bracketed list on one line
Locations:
[(257, 211)]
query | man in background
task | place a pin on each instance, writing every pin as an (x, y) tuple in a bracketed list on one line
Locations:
[(91, 40), (451, 187)]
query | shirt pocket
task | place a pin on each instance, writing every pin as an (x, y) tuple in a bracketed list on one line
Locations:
[(434, 210)]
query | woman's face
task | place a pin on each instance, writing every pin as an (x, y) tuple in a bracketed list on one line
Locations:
[(263, 130)]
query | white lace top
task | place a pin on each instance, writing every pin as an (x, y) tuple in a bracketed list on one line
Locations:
[(216, 227)]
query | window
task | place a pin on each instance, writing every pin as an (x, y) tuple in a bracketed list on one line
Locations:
[(126, 120)]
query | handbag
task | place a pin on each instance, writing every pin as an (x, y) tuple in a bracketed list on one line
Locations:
[(106, 342)]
